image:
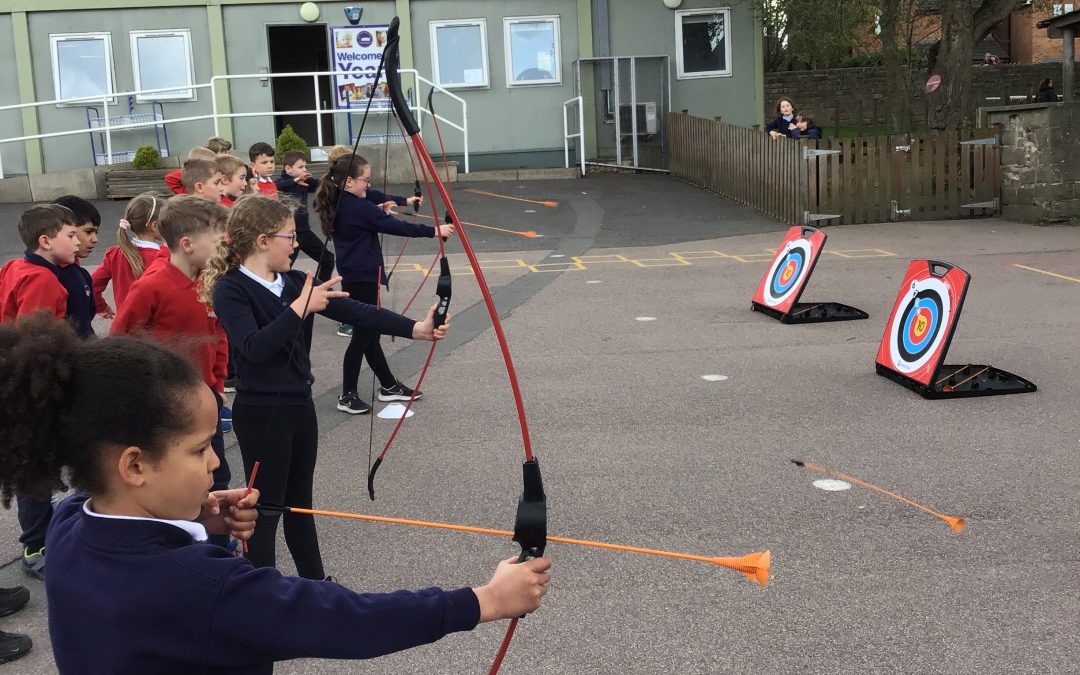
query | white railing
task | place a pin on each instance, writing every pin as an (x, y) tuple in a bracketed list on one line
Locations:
[(579, 146), (106, 127)]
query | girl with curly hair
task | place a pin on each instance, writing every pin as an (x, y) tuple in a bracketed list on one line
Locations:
[(131, 586)]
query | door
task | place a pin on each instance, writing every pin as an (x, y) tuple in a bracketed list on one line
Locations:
[(300, 49)]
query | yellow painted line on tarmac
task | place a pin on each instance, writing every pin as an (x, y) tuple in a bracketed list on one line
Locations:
[(673, 259), (1046, 272)]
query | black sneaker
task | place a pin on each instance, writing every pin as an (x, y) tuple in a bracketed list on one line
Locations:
[(353, 404), (13, 646), (13, 599), (398, 392)]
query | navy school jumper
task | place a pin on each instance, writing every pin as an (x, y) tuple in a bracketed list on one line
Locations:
[(140, 596), (262, 330)]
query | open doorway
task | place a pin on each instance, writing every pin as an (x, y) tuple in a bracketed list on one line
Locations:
[(301, 49)]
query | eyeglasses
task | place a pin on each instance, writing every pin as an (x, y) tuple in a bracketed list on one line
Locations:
[(367, 180), (291, 236)]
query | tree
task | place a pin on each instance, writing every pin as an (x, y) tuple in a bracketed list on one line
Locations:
[(962, 26), (897, 80)]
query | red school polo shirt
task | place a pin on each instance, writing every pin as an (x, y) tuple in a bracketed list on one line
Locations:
[(26, 288), (166, 306)]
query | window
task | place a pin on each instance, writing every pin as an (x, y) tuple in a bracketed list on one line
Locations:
[(532, 50), (1062, 9), (704, 47), (82, 65), (160, 59), (459, 53)]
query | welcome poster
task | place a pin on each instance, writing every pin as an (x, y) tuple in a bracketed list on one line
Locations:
[(357, 50)]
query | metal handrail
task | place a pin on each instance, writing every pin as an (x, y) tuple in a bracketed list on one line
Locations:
[(107, 128), (580, 135)]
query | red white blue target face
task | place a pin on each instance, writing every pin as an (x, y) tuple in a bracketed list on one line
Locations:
[(787, 272), (919, 327)]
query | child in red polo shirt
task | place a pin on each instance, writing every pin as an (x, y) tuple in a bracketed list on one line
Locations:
[(173, 179), (262, 164), (29, 285), (234, 183), (165, 305), (138, 243)]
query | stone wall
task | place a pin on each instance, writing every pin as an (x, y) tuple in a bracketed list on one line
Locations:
[(853, 96), (1040, 160)]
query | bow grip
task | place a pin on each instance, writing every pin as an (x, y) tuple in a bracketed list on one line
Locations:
[(443, 290), (530, 527)]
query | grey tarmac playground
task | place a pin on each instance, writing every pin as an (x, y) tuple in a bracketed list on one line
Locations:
[(637, 448)]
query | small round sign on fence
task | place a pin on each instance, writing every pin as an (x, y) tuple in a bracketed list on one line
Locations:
[(933, 83)]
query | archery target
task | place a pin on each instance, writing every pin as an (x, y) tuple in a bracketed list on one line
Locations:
[(922, 320), (918, 328), (790, 269)]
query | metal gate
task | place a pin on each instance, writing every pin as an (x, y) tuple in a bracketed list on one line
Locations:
[(626, 100)]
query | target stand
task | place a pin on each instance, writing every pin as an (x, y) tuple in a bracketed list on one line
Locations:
[(919, 332), (778, 294)]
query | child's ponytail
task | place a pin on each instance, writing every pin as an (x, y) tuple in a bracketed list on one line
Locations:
[(139, 218), (250, 217), (64, 401), (326, 196)]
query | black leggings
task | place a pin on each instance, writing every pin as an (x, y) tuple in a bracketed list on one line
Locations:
[(364, 343), (286, 445), (312, 245)]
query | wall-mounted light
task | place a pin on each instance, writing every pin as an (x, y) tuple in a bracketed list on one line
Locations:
[(309, 12), (264, 81), (353, 14), (672, 4)]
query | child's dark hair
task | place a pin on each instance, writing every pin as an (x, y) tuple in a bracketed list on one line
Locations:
[(43, 219), (84, 211), (142, 211), (292, 157), (250, 217), (804, 117), (63, 401), (187, 215), (197, 171), (794, 108), (260, 148), (348, 166)]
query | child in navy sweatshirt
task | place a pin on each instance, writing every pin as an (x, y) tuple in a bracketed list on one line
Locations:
[(356, 215), (133, 589), (298, 183), (267, 311)]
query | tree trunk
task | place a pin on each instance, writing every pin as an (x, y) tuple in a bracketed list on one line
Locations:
[(950, 104), (898, 101)]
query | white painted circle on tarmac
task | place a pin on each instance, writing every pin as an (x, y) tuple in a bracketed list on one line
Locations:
[(646, 318), (394, 412), (714, 378), (832, 485)]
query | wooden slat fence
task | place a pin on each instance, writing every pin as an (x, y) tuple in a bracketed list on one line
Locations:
[(932, 176)]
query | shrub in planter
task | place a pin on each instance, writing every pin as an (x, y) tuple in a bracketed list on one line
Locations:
[(290, 140), (147, 158)]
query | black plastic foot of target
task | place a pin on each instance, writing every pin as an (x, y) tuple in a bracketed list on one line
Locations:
[(811, 312), (964, 382)]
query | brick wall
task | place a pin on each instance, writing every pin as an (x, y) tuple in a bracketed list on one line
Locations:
[(849, 95), (1040, 161)]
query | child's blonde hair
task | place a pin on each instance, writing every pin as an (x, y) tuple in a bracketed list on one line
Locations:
[(198, 171), (218, 145), (141, 213), (229, 165), (337, 152), (187, 216), (199, 152), (250, 217)]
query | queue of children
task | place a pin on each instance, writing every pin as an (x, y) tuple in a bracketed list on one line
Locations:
[(202, 284)]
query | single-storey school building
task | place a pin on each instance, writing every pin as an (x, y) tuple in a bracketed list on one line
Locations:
[(515, 66)]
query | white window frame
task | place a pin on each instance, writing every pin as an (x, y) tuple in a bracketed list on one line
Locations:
[(434, 26), (179, 94), (508, 55), (680, 72), (110, 77)]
